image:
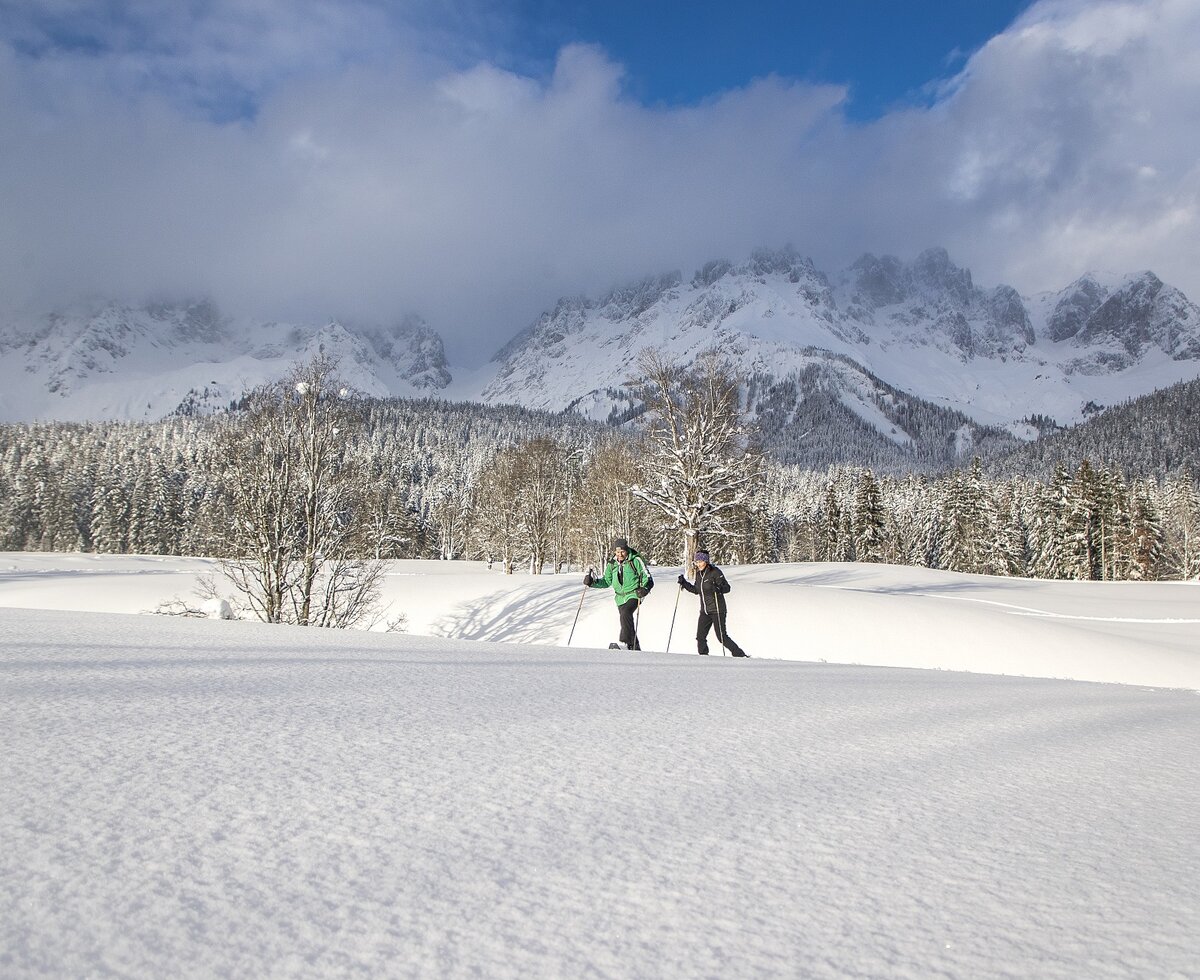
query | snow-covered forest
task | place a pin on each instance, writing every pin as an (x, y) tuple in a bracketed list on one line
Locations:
[(538, 490), (1153, 436)]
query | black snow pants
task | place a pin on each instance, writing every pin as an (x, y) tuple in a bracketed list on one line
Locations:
[(707, 621), (628, 629)]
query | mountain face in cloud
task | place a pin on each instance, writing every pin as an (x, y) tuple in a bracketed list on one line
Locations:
[(142, 363), (913, 358), (292, 158), (1002, 320), (880, 327)]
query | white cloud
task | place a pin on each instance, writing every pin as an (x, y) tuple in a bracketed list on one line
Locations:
[(371, 179), (215, 58), (1053, 131)]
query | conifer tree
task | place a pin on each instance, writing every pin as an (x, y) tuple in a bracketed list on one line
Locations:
[(1048, 534), (970, 540), (831, 524), (1146, 537), (1082, 525), (869, 521)]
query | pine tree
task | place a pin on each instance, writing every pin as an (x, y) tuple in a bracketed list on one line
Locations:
[(1048, 533), (869, 521), (1116, 526), (1146, 537), (1082, 525), (831, 524), (971, 539), (110, 517)]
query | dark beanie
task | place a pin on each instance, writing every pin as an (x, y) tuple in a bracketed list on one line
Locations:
[(620, 543), (702, 556)]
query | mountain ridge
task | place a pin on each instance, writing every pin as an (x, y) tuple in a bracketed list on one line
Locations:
[(877, 334)]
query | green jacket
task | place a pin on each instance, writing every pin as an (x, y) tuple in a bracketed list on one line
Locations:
[(624, 578)]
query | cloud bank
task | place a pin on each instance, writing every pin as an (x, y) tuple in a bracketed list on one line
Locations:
[(313, 159)]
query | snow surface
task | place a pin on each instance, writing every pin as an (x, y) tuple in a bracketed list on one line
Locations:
[(1144, 633), (185, 797)]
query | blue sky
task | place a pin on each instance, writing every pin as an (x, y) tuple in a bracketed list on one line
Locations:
[(473, 161), (887, 53)]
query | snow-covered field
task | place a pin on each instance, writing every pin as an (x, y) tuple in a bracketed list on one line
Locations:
[(206, 798), (880, 615)]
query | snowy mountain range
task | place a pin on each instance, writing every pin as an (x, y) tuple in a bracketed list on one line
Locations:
[(922, 328), (142, 363), (871, 341)]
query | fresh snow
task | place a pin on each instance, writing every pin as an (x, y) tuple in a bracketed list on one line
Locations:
[(766, 323), (777, 320), (128, 364), (1144, 633), (207, 798)]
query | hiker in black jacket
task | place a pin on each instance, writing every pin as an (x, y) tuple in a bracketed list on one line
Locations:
[(711, 586)]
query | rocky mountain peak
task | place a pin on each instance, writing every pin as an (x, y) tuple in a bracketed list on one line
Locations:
[(1144, 312), (1010, 327), (1075, 305), (936, 276), (711, 272), (879, 282), (786, 262), (922, 326), (416, 351), (632, 300)]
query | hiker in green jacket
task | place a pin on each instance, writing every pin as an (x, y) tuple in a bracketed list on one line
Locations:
[(626, 574)]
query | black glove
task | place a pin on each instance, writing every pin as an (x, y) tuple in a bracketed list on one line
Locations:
[(682, 580), (587, 579), (642, 593)]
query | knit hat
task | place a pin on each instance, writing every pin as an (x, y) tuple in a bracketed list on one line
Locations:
[(620, 543), (702, 556)]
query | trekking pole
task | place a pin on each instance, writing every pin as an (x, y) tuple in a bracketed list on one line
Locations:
[(678, 593), (720, 631), (577, 611)]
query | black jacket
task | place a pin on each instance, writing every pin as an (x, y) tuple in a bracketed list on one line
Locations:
[(711, 586)]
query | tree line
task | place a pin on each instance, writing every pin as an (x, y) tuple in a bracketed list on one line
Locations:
[(307, 484)]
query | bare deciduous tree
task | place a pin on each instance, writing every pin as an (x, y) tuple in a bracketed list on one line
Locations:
[(603, 507), (541, 479), (497, 526), (698, 466), (293, 541)]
